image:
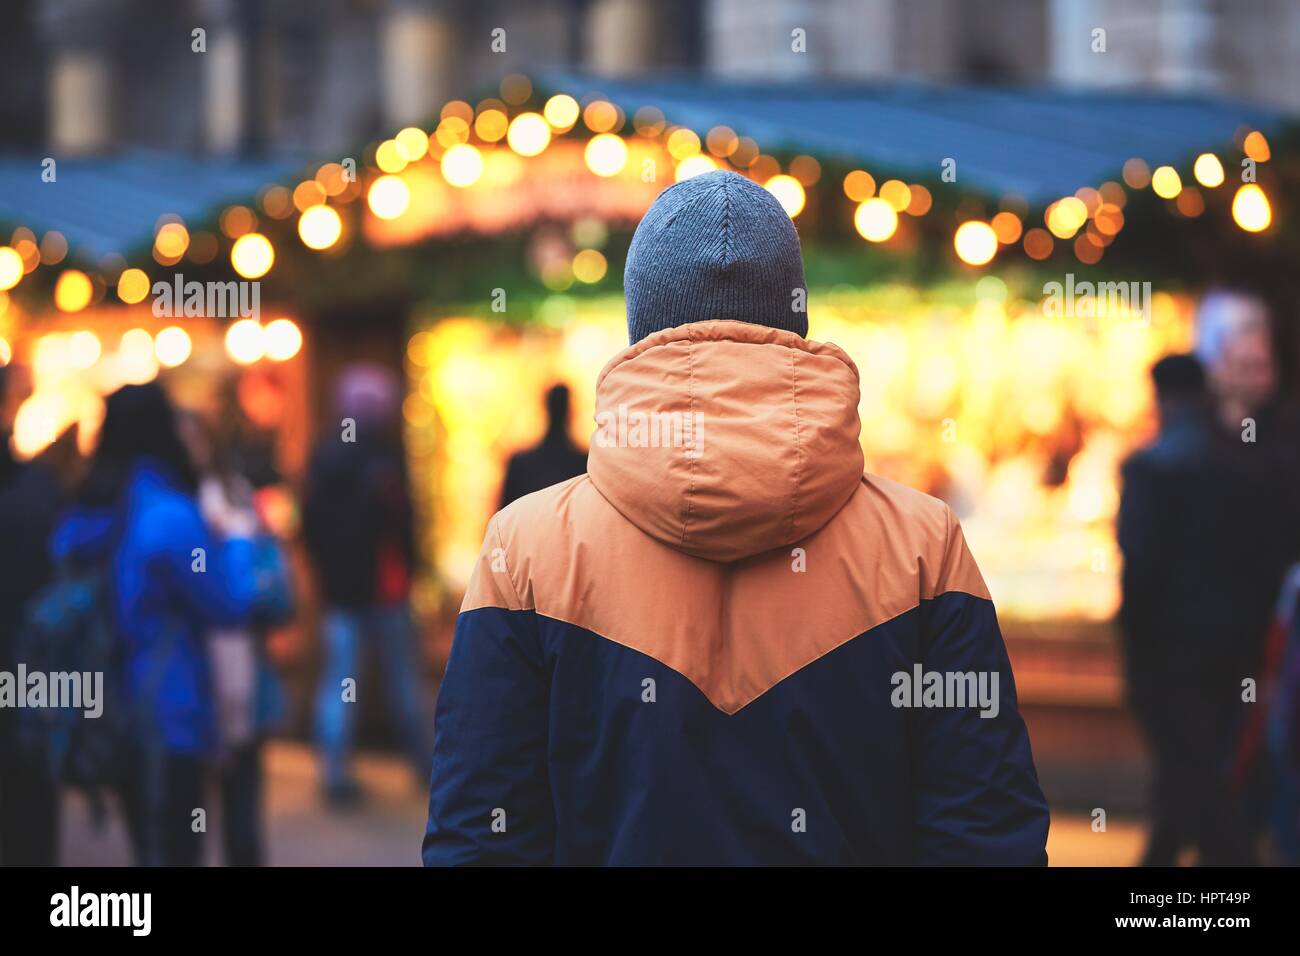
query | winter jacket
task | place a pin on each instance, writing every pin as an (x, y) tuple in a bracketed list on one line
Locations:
[(164, 604), (708, 653)]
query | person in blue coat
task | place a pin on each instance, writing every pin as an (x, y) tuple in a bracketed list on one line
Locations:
[(172, 580)]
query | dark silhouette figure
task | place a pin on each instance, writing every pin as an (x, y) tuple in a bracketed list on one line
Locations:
[(552, 460), (358, 528), (1189, 528)]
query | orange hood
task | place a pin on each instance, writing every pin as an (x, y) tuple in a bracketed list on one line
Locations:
[(724, 439)]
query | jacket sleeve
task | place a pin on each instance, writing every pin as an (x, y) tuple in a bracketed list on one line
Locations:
[(1138, 534), (490, 797), (976, 793), (174, 534)]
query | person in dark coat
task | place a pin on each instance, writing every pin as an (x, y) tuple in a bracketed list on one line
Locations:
[(1189, 526), (358, 529), (31, 498), (552, 460)]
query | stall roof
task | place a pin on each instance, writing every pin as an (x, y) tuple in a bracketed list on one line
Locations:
[(108, 204), (1039, 144)]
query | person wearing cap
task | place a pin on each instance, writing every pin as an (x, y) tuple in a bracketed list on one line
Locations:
[(725, 644)]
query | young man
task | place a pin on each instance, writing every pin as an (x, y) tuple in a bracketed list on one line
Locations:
[(725, 644)]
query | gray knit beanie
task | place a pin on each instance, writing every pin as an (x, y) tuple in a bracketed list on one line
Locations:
[(716, 246)]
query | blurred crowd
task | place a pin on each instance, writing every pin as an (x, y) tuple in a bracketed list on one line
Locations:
[(1209, 529), (161, 562)]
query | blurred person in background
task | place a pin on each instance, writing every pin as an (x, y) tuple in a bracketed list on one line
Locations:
[(552, 460), (358, 528), (1235, 341), (172, 580), (1188, 522), (32, 494), (248, 698)]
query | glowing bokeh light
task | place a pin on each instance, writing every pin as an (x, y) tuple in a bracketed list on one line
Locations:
[(282, 340), (252, 255), (876, 220), (606, 154), (389, 197), (789, 193), (1250, 208), (319, 227), (976, 242), (462, 165), (245, 341)]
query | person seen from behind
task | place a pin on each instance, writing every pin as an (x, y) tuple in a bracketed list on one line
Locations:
[(172, 579), (1188, 521), (357, 525), (553, 459), (725, 644)]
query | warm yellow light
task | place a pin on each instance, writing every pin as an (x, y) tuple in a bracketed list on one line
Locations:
[(252, 255), (412, 143), (245, 341), (1251, 209), (561, 111), (589, 266), (529, 134), (136, 363), (83, 349), (132, 286), (6, 353), (975, 242), (11, 267), (452, 130), (172, 346), (606, 154), (282, 339), (876, 220), (694, 166), (1256, 147), (601, 116), (389, 197), (172, 240), (73, 291), (491, 125), (1066, 216), (859, 185), (1208, 170), (683, 143), (788, 192), (462, 165), (1007, 226), (896, 193), (1166, 183), (319, 227), (389, 158)]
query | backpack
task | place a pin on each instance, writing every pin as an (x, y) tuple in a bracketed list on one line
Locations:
[(274, 599), (68, 627)]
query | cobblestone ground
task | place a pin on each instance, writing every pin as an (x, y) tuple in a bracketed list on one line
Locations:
[(385, 829)]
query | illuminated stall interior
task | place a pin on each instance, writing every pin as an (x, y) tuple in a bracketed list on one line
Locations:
[(1018, 420)]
